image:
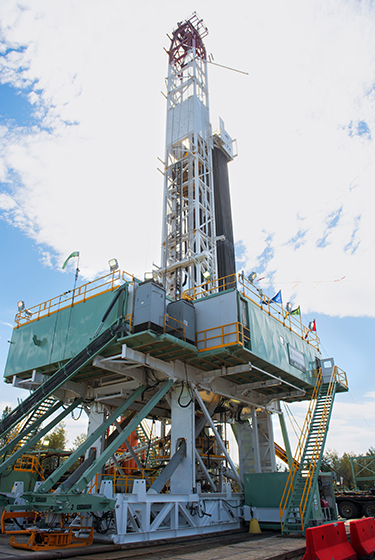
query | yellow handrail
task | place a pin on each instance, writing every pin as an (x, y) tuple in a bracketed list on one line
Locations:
[(317, 446), (176, 328), (210, 287), (221, 334), (102, 285), (276, 310), (300, 448), (29, 463)]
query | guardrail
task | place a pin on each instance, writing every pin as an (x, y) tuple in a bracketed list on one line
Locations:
[(122, 482), (106, 283), (220, 336), (211, 287), (276, 310), (174, 326)]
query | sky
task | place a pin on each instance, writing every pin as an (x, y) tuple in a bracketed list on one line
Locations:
[(82, 123)]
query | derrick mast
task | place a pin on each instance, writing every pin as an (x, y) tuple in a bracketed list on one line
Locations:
[(188, 238)]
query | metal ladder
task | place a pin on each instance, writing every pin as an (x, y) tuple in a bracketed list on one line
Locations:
[(297, 498)]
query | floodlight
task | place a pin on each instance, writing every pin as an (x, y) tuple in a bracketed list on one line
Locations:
[(207, 274), (289, 306), (148, 276), (28, 313), (21, 306), (252, 276), (113, 265)]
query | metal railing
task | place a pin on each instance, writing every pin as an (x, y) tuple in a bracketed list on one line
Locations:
[(340, 377), (220, 336), (211, 287), (102, 285), (29, 463), (172, 325), (288, 490), (322, 430), (123, 483), (276, 310)]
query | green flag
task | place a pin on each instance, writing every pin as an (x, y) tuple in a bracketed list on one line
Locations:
[(71, 256), (296, 311)]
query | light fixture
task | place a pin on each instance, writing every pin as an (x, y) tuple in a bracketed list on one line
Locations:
[(21, 306), (207, 274), (113, 265), (148, 276), (252, 276), (289, 306), (28, 313)]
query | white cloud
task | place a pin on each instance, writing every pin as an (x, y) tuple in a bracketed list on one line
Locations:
[(86, 178), (351, 427)]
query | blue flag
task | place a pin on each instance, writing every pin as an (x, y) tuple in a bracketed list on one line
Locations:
[(277, 298)]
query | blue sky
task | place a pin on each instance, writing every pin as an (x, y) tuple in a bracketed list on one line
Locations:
[(82, 122)]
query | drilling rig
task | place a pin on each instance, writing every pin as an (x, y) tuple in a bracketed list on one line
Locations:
[(167, 368)]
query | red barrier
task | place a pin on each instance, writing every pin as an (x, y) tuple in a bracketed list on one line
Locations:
[(362, 537), (328, 542)]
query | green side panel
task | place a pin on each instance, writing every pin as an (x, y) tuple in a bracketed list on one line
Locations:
[(8, 479), (47, 341), (267, 344), (264, 489)]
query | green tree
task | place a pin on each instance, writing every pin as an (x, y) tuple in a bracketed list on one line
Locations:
[(56, 439), (340, 466), (77, 442)]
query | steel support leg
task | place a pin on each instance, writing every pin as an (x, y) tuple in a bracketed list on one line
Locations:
[(111, 449), (183, 426), (56, 475)]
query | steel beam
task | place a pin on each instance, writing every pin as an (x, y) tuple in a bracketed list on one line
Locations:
[(218, 438), (13, 458), (111, 449), (158, 485), (30, 428), (205, 471), (56, 475), (244, 387)]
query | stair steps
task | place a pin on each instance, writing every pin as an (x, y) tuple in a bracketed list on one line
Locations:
[(296, 503)]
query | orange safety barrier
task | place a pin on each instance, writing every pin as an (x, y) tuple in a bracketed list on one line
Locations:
[(362, 537), (327, 542)]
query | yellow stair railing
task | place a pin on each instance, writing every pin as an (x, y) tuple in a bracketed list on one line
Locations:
[(317, 447), (300, 448)]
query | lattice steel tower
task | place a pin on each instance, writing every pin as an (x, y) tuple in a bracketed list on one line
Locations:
[(189, 242)]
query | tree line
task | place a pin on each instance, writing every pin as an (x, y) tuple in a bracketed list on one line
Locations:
[(343, 467)]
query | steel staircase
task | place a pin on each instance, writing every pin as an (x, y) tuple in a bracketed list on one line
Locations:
[(30, 426), (297, 499), (45, 391), (145, 437)]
